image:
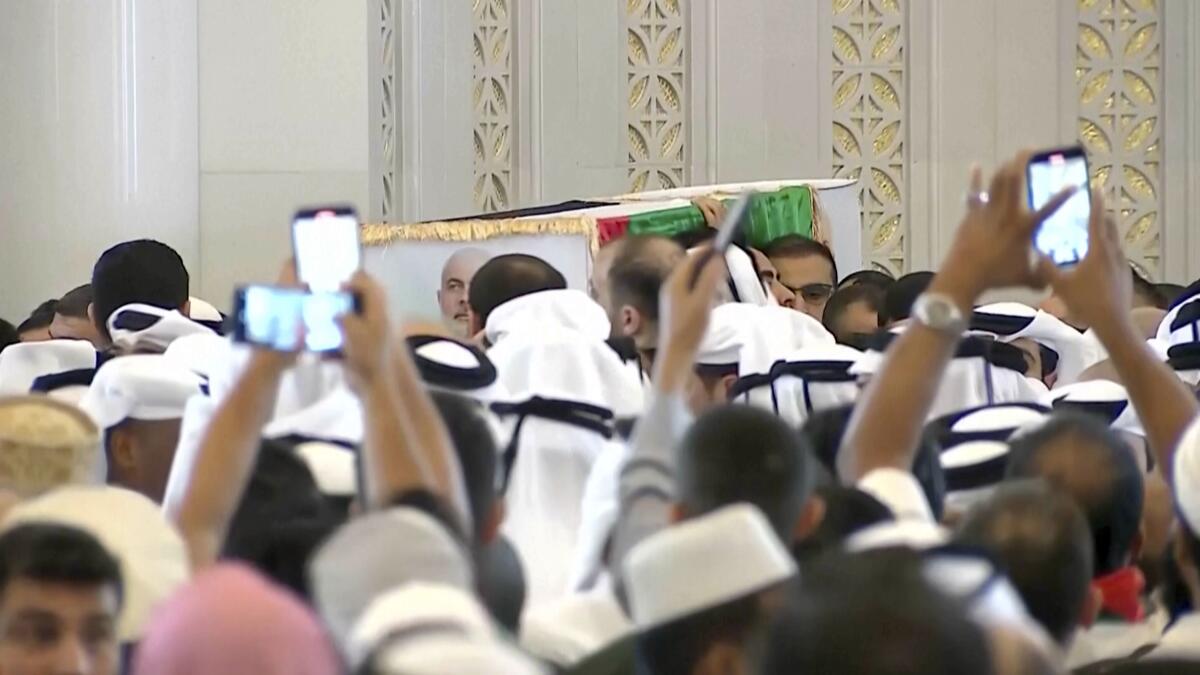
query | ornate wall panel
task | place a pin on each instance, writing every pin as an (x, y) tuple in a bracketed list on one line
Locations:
[(492, 98), (386, 84), (1119, 76), (869, 126), (655, 86)]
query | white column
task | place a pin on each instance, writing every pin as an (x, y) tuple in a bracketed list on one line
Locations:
[(98, 138)]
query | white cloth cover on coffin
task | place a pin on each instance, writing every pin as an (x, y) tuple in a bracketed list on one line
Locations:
[(24, 362), (551, 344), (1075, 352)]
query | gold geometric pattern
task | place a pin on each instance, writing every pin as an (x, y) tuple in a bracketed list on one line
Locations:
[(387, 119), (655, 88), (1118, 73), (492, 104), (869, 125)]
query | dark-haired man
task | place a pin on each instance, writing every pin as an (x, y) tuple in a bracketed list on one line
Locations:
[(854, 311), (71, 320), (507, 277), (1041, 541), (60, 594), (1110, 493), (639, 268), (36, 327), (807, 268), (140, 271)]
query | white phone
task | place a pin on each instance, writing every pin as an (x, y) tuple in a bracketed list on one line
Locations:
[(326, 246), (1063, 237)]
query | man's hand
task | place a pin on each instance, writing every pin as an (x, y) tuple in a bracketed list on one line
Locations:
[(992, 246), (367, 348), (683, 317), (712, 209), (1099, 290)]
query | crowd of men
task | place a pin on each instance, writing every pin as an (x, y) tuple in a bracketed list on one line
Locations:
[(703, 464)]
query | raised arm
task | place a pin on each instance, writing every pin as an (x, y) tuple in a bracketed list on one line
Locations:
[(406, 445), (225, 460), (991, 250), (647, 480), (1099, 291)]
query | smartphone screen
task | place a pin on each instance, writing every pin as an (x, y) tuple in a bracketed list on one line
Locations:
[(1063, 237), (275, 318), (325, 243)]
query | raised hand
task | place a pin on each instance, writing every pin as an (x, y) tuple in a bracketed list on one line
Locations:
[(1099, 290), (367, 335), (992, 245), (683, 317)]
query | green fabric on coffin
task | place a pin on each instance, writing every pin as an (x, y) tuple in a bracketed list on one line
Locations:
[(772, 215)]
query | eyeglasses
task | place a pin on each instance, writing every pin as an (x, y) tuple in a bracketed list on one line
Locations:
[(812, 292)]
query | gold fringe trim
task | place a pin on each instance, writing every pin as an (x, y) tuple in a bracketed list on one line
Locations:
[(820, 226), (382, 234)]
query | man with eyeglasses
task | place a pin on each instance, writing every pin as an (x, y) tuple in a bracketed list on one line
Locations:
[(807, 268)]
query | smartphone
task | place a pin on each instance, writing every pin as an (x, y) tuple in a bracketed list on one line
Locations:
[(1063, 237), (275, 317), (326, 246), (725, 233)]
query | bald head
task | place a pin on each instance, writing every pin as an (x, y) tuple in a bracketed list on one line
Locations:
[(455, 286), (639, 268)]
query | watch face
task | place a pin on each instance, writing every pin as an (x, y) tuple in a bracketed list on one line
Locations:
[(939, 314)]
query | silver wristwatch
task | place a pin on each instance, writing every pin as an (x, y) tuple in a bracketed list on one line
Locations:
[(940, 313)]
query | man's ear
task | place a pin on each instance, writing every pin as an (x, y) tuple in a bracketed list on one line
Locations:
[(631, 321), (811, 518), (120, 451), (726, 385), (723, 657), (186, 309)]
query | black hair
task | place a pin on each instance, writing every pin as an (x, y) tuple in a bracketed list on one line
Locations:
[(1080, 455), (510, 276), (1040, 540), (143, 271), (281, 519), (800, 246), (1148, 292), (825, 430), (52, 553), (8, 334), (845, 296), (739, 453), (676, 646), (847, 510), (638, 271), (75, 302), (1169, 293), (899, 299), (476, 449), (876, 278), (40, 317), (873, 613)]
